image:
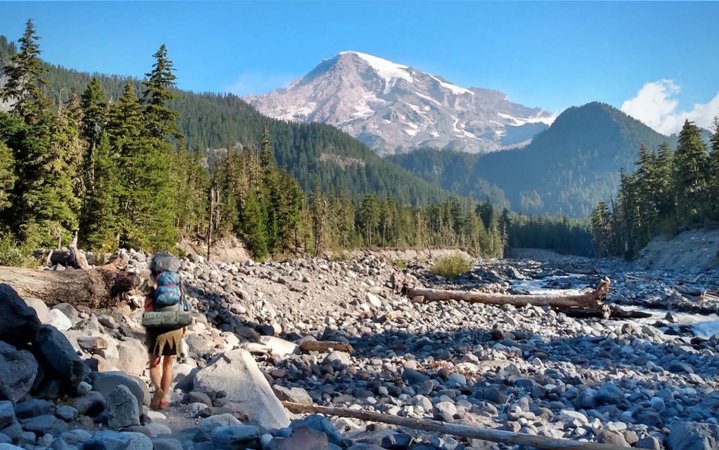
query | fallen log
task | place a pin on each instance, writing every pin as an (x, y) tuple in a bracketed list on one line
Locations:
[(324, 346), (589, 304), (454, 429), (93, 288)]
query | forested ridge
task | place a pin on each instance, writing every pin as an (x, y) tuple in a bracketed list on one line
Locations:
[(119, 172), (670, 190), (315, 154), (566, 169)]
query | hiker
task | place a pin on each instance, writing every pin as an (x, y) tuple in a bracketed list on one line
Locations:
[(166, 316)]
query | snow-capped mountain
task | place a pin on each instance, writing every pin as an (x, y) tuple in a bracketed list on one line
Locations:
[(396, 108)]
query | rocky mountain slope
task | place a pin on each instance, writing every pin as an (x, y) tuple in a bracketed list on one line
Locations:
[(396, 108), (649, 384)]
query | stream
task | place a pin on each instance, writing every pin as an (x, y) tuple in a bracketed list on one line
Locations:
[(700, 325)]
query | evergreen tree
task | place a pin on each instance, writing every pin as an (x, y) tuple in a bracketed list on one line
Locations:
[(94, 118), (318, 213), (601, 221), (664, 188), (714, 171), (23, 88), (690, 175), (160, 119), (7, 176), (100, 225), (368, 218), (253, 226)]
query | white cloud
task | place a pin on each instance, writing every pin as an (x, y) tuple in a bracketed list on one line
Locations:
[(255, 83), (657, 106)]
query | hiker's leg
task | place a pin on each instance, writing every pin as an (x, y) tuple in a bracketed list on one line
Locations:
[(155, 371), (156, 380), (166, 373)]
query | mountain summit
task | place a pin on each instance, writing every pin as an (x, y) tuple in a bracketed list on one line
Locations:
[(395, 108)]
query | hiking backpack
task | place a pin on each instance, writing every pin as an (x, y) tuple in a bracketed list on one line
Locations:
[(168, 291)]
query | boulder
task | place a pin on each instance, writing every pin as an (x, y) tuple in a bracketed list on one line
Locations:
[(295, 394), (132, 357), (321, 424), (302, 438), (18, 322), (90, 404), (112, 440), (7, 413), (18, 369), (235, 437), (122, 408), (59, 320), (46, 424), (32, 407), (59, 359), (210, 423), (279, 346), (693, 436), (69, 311), (166, 444), (105, 382), (236, 373), (41, 309)]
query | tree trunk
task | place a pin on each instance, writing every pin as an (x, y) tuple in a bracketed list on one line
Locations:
[(455, 429), (323, 346), (585, 304), (93, 288)]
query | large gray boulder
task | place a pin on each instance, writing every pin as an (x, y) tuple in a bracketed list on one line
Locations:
[(7, 413), (105, 382), (122, 408), (113, 440), (18, 322), (236, 373), (693, 436), (59, 359), (234, 437), (18, 370)]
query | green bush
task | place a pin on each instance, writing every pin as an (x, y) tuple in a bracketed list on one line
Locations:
[(451, 266), (12, 254)]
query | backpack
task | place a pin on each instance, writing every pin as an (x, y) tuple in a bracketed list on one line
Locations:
[(168, 291)]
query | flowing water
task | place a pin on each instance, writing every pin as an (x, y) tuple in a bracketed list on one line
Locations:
[(704, 326)]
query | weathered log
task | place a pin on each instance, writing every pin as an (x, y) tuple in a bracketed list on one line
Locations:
[(324, 346), (455, 429), (94, 288), (590, 302)]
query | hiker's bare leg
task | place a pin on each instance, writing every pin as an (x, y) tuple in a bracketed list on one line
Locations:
[(156, 380), (155, 371), (166, 374)]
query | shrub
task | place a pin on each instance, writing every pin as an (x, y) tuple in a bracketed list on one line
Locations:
[(12, 254), (451, 266)]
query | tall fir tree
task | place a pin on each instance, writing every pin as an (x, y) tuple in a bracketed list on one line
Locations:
[(101, 227), (160, 119), (690, 175), (94, 119), (714, 171), (7, 177), (253, 226), (24, 85)]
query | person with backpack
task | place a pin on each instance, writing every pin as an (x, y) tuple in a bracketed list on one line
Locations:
[(166, 316)]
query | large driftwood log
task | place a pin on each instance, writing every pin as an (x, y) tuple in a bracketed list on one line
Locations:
[(455, 429), (589, 304), (324, 346), (94, 288)]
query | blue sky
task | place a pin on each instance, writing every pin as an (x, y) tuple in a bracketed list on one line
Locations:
[(551, 55)]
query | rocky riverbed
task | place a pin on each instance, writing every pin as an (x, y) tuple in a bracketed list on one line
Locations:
[(648, 383)]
